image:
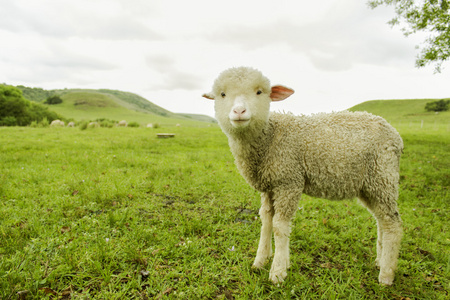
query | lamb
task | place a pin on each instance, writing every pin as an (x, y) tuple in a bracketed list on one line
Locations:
[(93, 125), (122, 123), (57, 123), (336, 156)]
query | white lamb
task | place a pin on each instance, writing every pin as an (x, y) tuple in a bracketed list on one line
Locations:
[(93, 125), (57, 123), (335, 156), (122, 123)]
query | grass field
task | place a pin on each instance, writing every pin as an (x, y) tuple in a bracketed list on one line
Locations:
[(407, 115), (115, 213)]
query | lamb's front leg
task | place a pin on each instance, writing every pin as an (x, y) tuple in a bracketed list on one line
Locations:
[(285, 201), (280, 264), (265, 242)]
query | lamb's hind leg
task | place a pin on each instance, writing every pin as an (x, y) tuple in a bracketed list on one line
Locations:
[(389, 226), (391, 234), (266, 213)]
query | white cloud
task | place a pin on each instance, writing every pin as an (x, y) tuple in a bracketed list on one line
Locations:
[(160, 62), (170, 76), (65, 19), (347, 35)]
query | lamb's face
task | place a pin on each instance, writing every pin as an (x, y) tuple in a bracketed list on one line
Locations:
[(242, 105), (242, 96)]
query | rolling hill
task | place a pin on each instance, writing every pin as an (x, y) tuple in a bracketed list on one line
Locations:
[(85, 104), (410, 113)]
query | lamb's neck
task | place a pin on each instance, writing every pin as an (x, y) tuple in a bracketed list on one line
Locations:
[(251, 143)]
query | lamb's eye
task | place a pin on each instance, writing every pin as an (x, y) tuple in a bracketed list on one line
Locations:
[(223, 95), (259, 92)]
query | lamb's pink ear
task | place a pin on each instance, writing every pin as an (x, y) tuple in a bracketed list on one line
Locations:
[(208, 96), (280, 92)]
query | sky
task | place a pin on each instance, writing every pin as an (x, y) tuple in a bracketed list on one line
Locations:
[(333, 53)]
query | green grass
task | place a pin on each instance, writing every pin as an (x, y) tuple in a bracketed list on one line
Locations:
[(119, 214), (87, 100), (407, 115)]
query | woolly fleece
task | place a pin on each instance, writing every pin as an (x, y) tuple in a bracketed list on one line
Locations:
[(336, 156)]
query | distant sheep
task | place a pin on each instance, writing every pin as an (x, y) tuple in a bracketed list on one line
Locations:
[(122, 123), (93, 125), (57, 123), (335, 156), (71, 124)]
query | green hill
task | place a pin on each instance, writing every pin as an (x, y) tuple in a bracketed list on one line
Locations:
[(406, 113), (85, 104)]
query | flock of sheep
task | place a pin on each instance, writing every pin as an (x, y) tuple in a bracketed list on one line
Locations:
[(59, 123), (123, 123), (335, 156)]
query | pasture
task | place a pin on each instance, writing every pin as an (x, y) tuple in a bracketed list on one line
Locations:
[(85, 105), (115, 213)]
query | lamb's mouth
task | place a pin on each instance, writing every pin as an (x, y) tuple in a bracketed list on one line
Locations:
[(240, 122)]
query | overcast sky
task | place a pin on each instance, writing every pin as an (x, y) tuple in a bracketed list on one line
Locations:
[(333, 53)]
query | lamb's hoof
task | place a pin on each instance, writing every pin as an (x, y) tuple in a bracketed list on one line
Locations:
[(259, 263), (386, 279), (277, 277), (257, 266)]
